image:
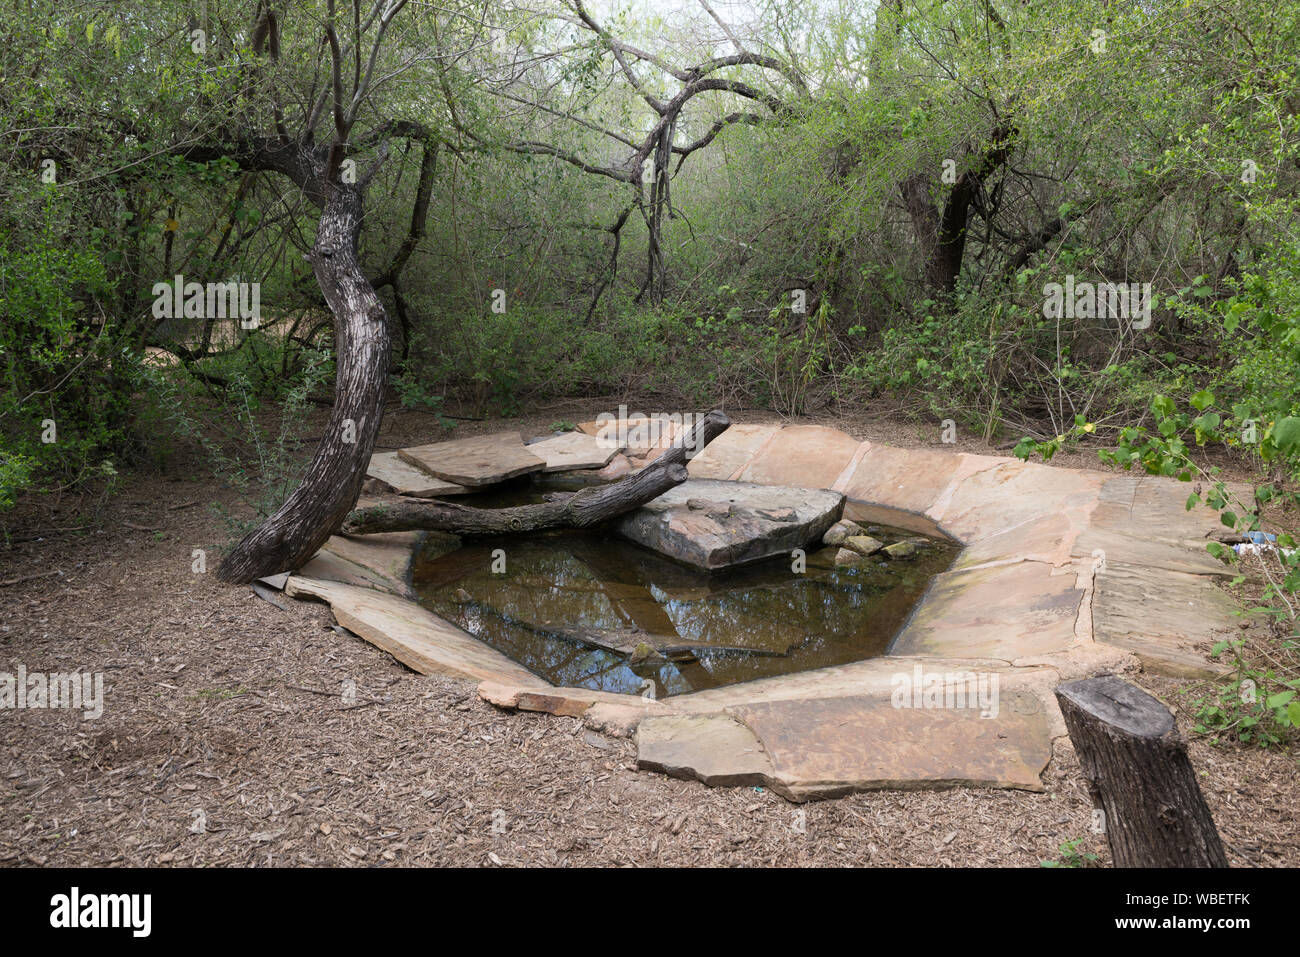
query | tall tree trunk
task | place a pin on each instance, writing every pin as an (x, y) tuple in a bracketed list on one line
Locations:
[(942, 233), (333, 480)]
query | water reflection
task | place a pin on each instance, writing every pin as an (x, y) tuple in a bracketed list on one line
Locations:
[(562, 591)]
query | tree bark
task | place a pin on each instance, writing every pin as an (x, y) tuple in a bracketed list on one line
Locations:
[(942, 234), (318, 506), (581, 509), (1131, 752)]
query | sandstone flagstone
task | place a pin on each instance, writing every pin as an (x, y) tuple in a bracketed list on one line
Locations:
[(478, 461), (380, 561), (734, 532), (826, 747), (619, 467), (572, 450), (637, 435), (1049, 539), (567, 702), (1168, 619), (1106, 545), (727, 455), (407, 479), (414, 636), (908, 479), (1010, 493), (715, 749), (811, 456), (1003, 611), (1155, 507)]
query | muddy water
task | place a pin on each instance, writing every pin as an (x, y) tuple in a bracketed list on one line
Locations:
[(563, 594)]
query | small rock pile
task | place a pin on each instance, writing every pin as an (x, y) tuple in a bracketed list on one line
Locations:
[(856, 544)]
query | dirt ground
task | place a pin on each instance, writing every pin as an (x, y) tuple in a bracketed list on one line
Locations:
[(225, 738)]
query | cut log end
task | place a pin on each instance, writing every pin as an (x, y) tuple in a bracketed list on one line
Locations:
[(1137, 765), (1118, 703)]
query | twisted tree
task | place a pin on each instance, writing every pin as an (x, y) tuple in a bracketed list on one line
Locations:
[(648, 160), (314, 149)]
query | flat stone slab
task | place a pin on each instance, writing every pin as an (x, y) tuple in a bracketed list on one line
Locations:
[(478, 461), (1046, 538), (1169, 619), (1104, 545), (826, 747), (640, 439), (568, 481), (1010, 493), (809, 456), (566, 702), (712, 748), (413, 635), (572, 450), (1155, 507), (736, 529), (637, 431), (1003, 611), (406, 479), (912, 480), (380, 561), (727, 455)]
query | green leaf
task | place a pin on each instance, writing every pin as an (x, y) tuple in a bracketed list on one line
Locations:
[(1229, 519), (1279, 699), (1286, 433), (1202, 400)]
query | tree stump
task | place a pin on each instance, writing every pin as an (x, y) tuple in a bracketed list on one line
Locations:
[(1137, 763)]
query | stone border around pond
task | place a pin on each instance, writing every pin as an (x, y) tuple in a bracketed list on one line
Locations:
[(1062, 574)]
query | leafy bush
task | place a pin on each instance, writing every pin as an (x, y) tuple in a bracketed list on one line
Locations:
[(1252, 409), (66, 381)]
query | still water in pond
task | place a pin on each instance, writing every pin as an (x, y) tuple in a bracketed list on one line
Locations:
[(590, 610)]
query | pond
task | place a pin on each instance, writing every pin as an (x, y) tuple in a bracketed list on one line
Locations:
[(591, 610)]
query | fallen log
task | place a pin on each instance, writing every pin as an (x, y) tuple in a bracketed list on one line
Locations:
[(1136, 763), (581, 509)]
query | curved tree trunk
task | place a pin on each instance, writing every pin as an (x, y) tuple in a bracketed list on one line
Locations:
[(333, 480)]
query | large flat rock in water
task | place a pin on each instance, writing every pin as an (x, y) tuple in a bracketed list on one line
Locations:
[(405, 479), (714, 524), (573, 450), (482, 460)]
